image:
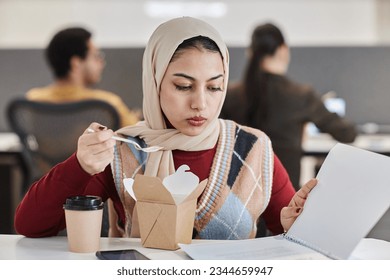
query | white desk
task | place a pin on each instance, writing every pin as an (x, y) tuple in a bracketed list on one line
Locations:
[(316, 144), (9, 142), (17, 247), (12, 173), (320, 144), (316, 147)]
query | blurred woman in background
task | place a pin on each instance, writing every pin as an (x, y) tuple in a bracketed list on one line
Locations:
[(268, 100)]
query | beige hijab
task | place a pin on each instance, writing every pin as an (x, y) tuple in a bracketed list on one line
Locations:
[(158, 53)]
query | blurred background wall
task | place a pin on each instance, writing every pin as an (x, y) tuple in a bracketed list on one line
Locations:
[(125, 23), (336, 45)]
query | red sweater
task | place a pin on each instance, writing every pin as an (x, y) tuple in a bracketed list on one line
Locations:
[(41, 214)]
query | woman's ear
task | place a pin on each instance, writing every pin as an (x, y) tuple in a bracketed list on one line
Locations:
[(284, 52), (278, 62)]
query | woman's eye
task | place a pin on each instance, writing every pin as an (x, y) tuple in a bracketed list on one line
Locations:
[(215, 89), (183, 88)]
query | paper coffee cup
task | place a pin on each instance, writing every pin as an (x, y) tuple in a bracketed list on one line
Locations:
[(83, 215)]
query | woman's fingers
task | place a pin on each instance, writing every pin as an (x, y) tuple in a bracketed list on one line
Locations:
[(98, 144), (306, 188), (300, 196), (289, 214), (95, 149), (95, 127)]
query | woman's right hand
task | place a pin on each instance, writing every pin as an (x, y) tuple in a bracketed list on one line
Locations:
[(95, 150)]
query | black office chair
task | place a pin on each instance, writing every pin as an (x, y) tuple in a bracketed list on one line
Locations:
[(49, 131)]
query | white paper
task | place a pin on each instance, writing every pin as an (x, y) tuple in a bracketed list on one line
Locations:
[(371, 249), (277, 248), (274, 247), (352, 194)]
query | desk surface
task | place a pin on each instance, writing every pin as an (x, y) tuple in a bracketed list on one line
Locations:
[(17, 247), (9, 142), (320, 143)]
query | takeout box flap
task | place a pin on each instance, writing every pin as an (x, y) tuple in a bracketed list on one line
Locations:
[(147, 188), (196, 192)]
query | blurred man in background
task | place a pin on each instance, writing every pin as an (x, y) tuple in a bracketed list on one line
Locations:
[(77, 65)]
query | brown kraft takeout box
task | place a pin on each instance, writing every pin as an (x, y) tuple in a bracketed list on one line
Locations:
[(164, 222)]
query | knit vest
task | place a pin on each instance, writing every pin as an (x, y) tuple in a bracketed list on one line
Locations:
[(238, 189)]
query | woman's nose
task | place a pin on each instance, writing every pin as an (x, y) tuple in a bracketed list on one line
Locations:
[(198, 102)]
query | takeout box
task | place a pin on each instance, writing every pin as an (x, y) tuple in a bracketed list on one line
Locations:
[(166, 209)]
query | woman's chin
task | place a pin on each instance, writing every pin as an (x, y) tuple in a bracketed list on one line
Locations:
[(192, 131)]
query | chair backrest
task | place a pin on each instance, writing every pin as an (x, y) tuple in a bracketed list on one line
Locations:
[(49, 131)]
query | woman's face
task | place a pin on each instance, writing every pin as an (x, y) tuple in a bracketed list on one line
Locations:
[(192, 90)]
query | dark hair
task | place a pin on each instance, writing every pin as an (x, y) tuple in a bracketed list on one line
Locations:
[(63, 46), (198, 42), (266, 39)]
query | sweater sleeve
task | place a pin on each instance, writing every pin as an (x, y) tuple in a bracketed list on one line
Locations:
[(282, 193), (41, 213), (340, 128)]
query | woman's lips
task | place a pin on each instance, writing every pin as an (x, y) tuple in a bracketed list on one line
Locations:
[(196, 121)]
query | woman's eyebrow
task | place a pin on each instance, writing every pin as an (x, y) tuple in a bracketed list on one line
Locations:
[(184, 76), (216, 77), (193, 79)]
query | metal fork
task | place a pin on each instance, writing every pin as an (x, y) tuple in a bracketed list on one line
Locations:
[(150, 149)]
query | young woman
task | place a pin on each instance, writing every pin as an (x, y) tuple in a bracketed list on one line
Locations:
[(185, 75)]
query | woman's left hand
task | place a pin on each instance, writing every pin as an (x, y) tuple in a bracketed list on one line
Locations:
[(289, 214)]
